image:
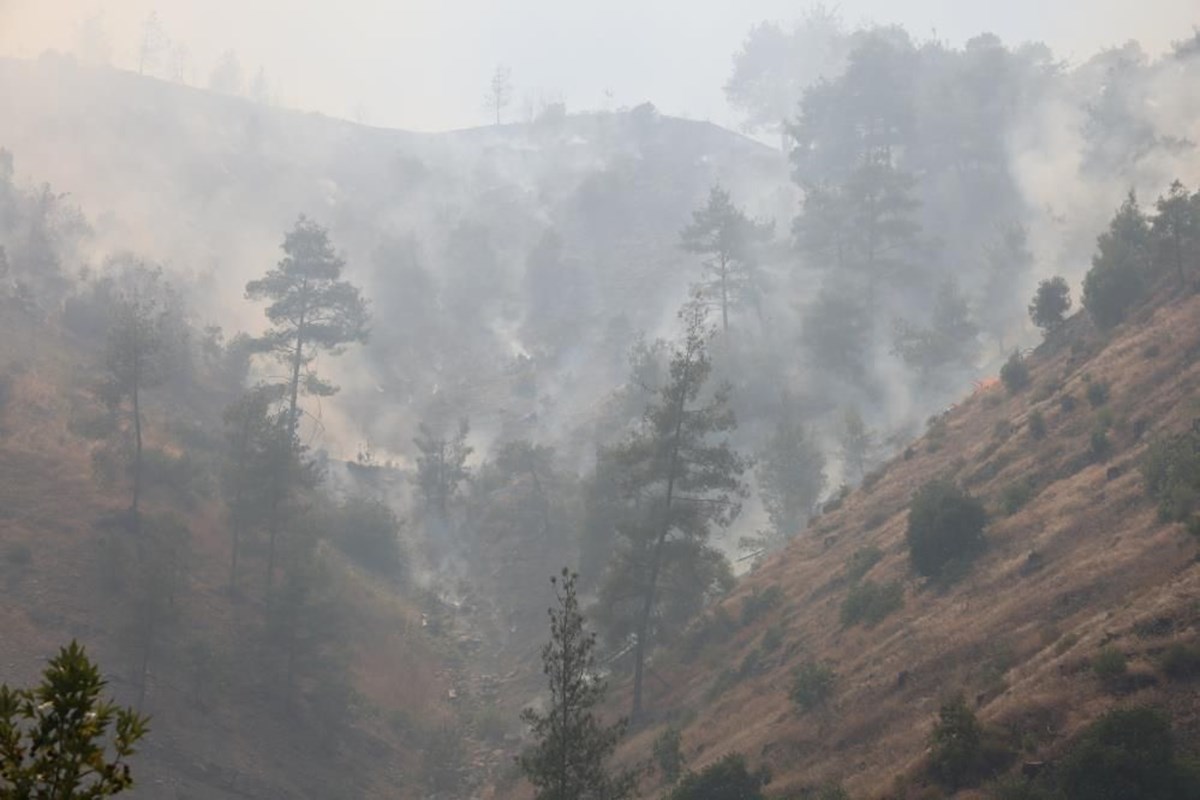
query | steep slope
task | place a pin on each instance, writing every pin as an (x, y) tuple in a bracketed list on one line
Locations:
[(1084, 563), (218, 727)]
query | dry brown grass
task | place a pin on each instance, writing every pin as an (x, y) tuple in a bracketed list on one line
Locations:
[(49, 503), (1106, 563)]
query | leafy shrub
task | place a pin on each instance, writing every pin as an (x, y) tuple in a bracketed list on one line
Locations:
[(812, 684), (1127, 754), (183, 477), (945, 525), (668, 754), (726, 679), (1067, 403), (956, 745), (1110, 665), (1051, 301), (1015, 373), (1171, 470), (1181, 661), (1099, 444), (772, 638), (711, 628), (870, 602), (1014, 496), (727, 779), (872, 478), (367, 531), (861, 561), (1037, 425), (1097, 393), (757, 603)]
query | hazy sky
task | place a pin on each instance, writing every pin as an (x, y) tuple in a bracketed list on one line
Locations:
[(424, 64)]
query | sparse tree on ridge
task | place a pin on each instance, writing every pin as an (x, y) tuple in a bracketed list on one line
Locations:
[(311, 310), (729, 241), (500, 91), (568, 760)]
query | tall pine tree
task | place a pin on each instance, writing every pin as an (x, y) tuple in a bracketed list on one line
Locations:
[(569, 758)]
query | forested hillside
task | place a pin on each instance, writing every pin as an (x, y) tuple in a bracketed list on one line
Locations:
[(299, 416)]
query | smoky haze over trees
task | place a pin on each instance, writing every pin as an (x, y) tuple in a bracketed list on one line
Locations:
[(642, 346)]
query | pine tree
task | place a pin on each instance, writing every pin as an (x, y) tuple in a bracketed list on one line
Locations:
[(1051, 301), (60, 740), (569, 758), (442, 465), (1117, 279), (678, 481), (137, 356), (730, 242), (311, 310), (1176, 229), (253, 434), (791, 475)]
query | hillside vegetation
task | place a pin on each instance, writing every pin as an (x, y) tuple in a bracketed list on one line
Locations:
[(1078, 563)]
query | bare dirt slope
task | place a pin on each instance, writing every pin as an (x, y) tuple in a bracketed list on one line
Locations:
[(1082, 564)]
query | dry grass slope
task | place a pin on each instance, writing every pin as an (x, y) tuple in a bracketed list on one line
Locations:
[(1083, 563)]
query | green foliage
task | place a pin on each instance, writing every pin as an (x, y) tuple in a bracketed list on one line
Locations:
[(679, 479), (1099, 445), (668, 754), (730, 242), (1014, 496), (945, 526), (1118, 277), (812, 685), (1050, 303), (861, 561), (442, 465), (956, 745), (310, 308), (61, 740), (870, 602), (1015, 373), (790, 473), (759, 602), (1037, 425), (727, 779), (1171, 470), (1181, 661), (1175, 230), (950, 340), (1097, 393), (571, 747), (367, 531), (1128, 754), (1110, 665)]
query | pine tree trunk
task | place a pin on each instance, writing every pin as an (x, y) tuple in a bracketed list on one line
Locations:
[(284, 458), (643, 629)]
